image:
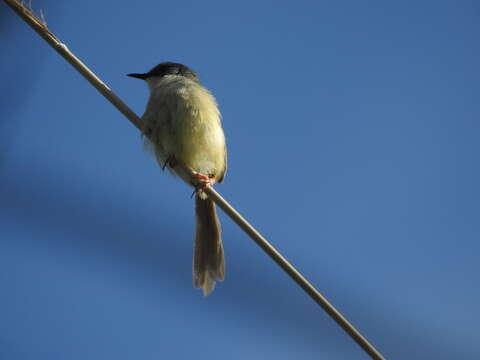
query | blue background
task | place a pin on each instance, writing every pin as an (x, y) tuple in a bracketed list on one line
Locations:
[(353, 142)]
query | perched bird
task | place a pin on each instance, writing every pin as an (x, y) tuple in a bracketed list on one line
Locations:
[(182, 124)]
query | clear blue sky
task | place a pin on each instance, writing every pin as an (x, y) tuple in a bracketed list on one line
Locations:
[(353, 134)]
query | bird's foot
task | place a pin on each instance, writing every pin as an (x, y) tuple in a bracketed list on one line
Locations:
[(170, 161), (204, 182)]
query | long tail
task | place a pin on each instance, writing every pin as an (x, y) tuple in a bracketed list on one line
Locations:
[(208, 261)]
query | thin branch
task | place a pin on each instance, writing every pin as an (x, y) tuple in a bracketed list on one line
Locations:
[(41, 28)]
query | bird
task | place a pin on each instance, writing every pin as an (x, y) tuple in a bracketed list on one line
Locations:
[(182, 124)]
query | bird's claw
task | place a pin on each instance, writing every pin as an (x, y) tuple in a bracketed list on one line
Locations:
[(170, 161), (204, 182)]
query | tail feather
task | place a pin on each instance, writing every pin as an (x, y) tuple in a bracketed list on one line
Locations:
[(208, 259)]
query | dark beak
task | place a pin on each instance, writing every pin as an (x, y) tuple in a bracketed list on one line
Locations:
[(138, 76)]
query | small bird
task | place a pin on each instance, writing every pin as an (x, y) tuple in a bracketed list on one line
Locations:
[(182, 124)]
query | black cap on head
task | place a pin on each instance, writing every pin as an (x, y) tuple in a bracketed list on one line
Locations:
[(168, 68)]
